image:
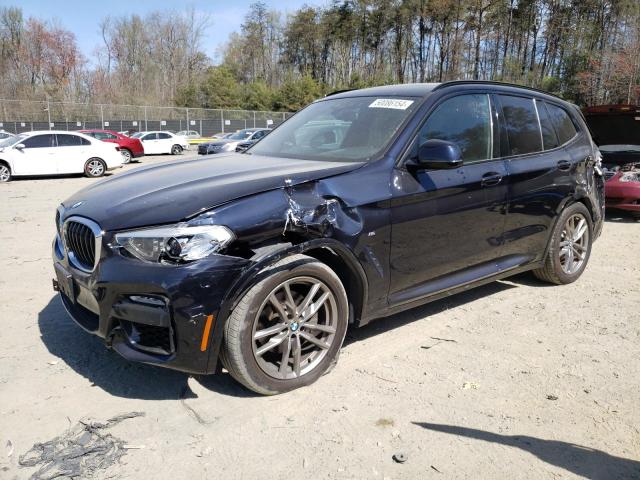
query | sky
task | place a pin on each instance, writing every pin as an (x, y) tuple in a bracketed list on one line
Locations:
[(83, 17)]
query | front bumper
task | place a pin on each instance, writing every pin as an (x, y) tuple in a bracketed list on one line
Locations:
[(156, 314)]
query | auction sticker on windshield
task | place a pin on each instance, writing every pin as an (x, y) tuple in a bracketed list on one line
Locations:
[(391, 103)]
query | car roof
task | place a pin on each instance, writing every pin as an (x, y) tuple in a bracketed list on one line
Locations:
[(44, 132), (424, 89)]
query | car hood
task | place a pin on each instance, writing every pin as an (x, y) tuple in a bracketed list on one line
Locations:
[(173, 191)]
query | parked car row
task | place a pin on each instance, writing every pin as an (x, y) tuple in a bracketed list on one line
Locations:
[(51, 152)]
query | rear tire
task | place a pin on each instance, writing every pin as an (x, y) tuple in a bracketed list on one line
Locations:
[(299, 299), (569, 247), (95, 167), (176, 150), (5, 173)]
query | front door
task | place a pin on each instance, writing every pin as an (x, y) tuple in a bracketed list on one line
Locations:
[(37, 157), (447, 224), (150, 143)]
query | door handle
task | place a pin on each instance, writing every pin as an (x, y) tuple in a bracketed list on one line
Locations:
[(490, 179), (564, 165)]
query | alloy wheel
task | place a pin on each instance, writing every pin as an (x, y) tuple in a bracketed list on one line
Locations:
[(5, 173), (126, 156), (294, 328), (95, 168), (176, 150), (574, 243)]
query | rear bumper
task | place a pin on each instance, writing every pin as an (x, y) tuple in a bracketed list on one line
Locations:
[(623, 195), (155, 314)]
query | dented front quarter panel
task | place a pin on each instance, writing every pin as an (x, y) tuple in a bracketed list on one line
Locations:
[(350, 209)]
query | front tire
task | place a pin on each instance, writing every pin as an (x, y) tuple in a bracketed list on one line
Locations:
[(288, 328), (176, 150), (569, 248), (95, 167), (5, 173)]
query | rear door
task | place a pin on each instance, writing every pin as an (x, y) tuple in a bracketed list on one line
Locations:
[(150, 143), (446, 224), (37, 157), (540, 174), (165, 142), (72, 151)]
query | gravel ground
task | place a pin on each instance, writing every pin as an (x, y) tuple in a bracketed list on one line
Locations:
[(515, 380)]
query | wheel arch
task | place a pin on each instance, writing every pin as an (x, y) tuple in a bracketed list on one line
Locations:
[(329, 251), (326, 250)]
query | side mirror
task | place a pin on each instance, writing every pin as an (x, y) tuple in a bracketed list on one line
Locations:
[(19, 146), (439, 154)]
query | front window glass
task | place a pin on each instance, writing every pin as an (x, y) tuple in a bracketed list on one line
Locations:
[(464, 120), (150, 136), (352, 129), (39, 141), (522, 124)]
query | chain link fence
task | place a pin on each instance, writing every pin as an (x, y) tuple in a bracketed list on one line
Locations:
[(18, 116)]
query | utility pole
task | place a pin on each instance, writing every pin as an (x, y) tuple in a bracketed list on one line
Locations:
[(48, 114)]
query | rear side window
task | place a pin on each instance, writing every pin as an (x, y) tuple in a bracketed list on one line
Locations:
[(39, 141), (464, 120), (521, 123), (150, 136), (163, 136), (549, 139), (71, 141), (562, 123)]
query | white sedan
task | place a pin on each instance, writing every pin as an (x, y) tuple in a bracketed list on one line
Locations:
[(157, 143), (52, 152)]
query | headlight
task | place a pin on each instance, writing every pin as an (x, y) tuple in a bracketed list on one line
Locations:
[(630, 177), (176, 243)]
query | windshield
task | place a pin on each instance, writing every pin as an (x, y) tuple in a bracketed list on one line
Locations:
[(7, 142), (241, 135), (353, 129)]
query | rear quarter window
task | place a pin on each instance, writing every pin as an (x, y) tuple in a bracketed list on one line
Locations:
[(562, 123)]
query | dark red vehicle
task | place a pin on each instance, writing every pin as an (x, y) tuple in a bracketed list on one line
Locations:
[(616, 130), (129, 147)]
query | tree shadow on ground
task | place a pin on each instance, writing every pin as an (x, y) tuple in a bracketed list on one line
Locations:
[(385, 324), (87, 355), (577, 459)]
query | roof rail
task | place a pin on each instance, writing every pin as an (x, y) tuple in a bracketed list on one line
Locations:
[(493, 82), (336, 92)]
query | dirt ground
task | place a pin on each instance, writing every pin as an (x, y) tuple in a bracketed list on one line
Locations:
[(515, 380)]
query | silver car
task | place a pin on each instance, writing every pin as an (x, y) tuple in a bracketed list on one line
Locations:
[(230, 143)]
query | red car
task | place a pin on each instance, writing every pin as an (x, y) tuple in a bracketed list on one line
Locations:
[(616, 130), (129, 147)]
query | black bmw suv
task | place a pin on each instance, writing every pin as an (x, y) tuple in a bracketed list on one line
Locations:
[(365, 203)]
